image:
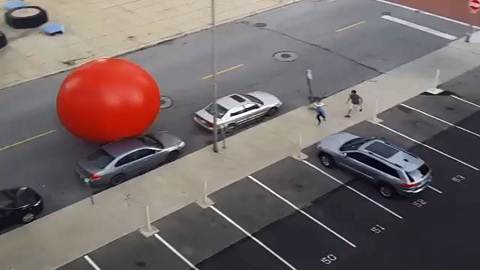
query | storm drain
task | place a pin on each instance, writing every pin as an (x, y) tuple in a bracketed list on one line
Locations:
[(260, 24), (285, 56), (165, 102)]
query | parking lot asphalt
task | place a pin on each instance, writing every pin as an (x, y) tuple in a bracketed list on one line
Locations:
[(296, 214)]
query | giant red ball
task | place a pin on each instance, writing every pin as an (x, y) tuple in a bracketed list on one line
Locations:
[(107, 100)]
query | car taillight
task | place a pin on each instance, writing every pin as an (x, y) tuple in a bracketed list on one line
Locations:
[(409, 185), (95, 177)]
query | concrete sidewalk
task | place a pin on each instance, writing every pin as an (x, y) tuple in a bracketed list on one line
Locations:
[(102, 28), (80, 228)]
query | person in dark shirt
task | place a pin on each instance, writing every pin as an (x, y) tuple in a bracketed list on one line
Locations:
[(355, 103)]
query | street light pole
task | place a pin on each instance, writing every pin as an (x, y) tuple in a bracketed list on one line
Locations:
[(214, 80)]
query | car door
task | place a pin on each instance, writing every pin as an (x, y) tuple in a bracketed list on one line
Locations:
[(252, 111), (127, 165), (235, 116), (150, 158), (358, 163)]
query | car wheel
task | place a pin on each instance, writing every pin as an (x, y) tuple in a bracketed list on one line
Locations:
[(272, 111), (26, 17), (28, 217), (326, 160), (173, 156), (3, 40), (117, 179), (386, 191)]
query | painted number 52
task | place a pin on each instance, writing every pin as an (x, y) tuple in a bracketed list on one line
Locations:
[(330, 258)]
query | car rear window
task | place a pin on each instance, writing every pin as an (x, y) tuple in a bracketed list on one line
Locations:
[(418, 173), (100, 158), (382, 149), (254, 99), (220, 110)]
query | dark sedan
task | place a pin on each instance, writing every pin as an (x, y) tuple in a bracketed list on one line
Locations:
[(19, 205)]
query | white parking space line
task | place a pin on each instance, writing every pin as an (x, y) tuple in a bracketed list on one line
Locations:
[(425, 12), (191, 265), (466, 101), (253, 238), (91, 262), (435, 189), (441, 120), (419, 27), (352, 189), (302, 212), (425, 145)]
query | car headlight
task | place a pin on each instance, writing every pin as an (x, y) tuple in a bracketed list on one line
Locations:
[(181, 145)]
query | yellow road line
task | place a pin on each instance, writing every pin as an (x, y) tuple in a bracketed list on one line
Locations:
[(222, 71), (350, 26), (27, 140)]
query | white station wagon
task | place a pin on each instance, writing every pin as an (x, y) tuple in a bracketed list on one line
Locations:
[(237, 109)]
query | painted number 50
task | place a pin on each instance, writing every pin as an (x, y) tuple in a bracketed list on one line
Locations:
[(330, 258)]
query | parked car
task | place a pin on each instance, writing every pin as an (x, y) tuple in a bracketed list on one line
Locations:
[(391, 169), (19, 205), (116, 162), (237, 109)]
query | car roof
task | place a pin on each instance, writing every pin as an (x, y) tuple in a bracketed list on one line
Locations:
[(393, 155), (119, 148), (231, 101)]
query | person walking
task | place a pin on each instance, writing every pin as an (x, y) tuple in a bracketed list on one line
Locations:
[(355, 103), (321, 114)]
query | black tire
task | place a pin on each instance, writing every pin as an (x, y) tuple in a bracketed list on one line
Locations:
[(117, 179), (172, 156), (3, 40), (386, 190), (272, 111), (26, 17), (326, 160), (27, 217)]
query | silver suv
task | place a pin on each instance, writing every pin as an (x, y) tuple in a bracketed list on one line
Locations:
[(391, 169)]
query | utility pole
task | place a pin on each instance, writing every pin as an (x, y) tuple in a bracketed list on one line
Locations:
[(214, 80), (309, 77)]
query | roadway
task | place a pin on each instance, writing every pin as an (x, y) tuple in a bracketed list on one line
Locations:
[(299, 215), (344, 42)]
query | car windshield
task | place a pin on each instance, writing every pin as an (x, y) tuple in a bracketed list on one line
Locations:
[(6, 200), (220, 109), (254, 99), (16, 197), (100, 158), (354, 144), (149, 140)]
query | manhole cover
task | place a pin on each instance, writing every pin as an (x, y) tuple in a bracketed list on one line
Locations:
[(165, 102), (385, 13), (260, 24), (285, 56)]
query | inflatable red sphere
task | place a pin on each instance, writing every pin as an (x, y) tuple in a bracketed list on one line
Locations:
[(107, 100)]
